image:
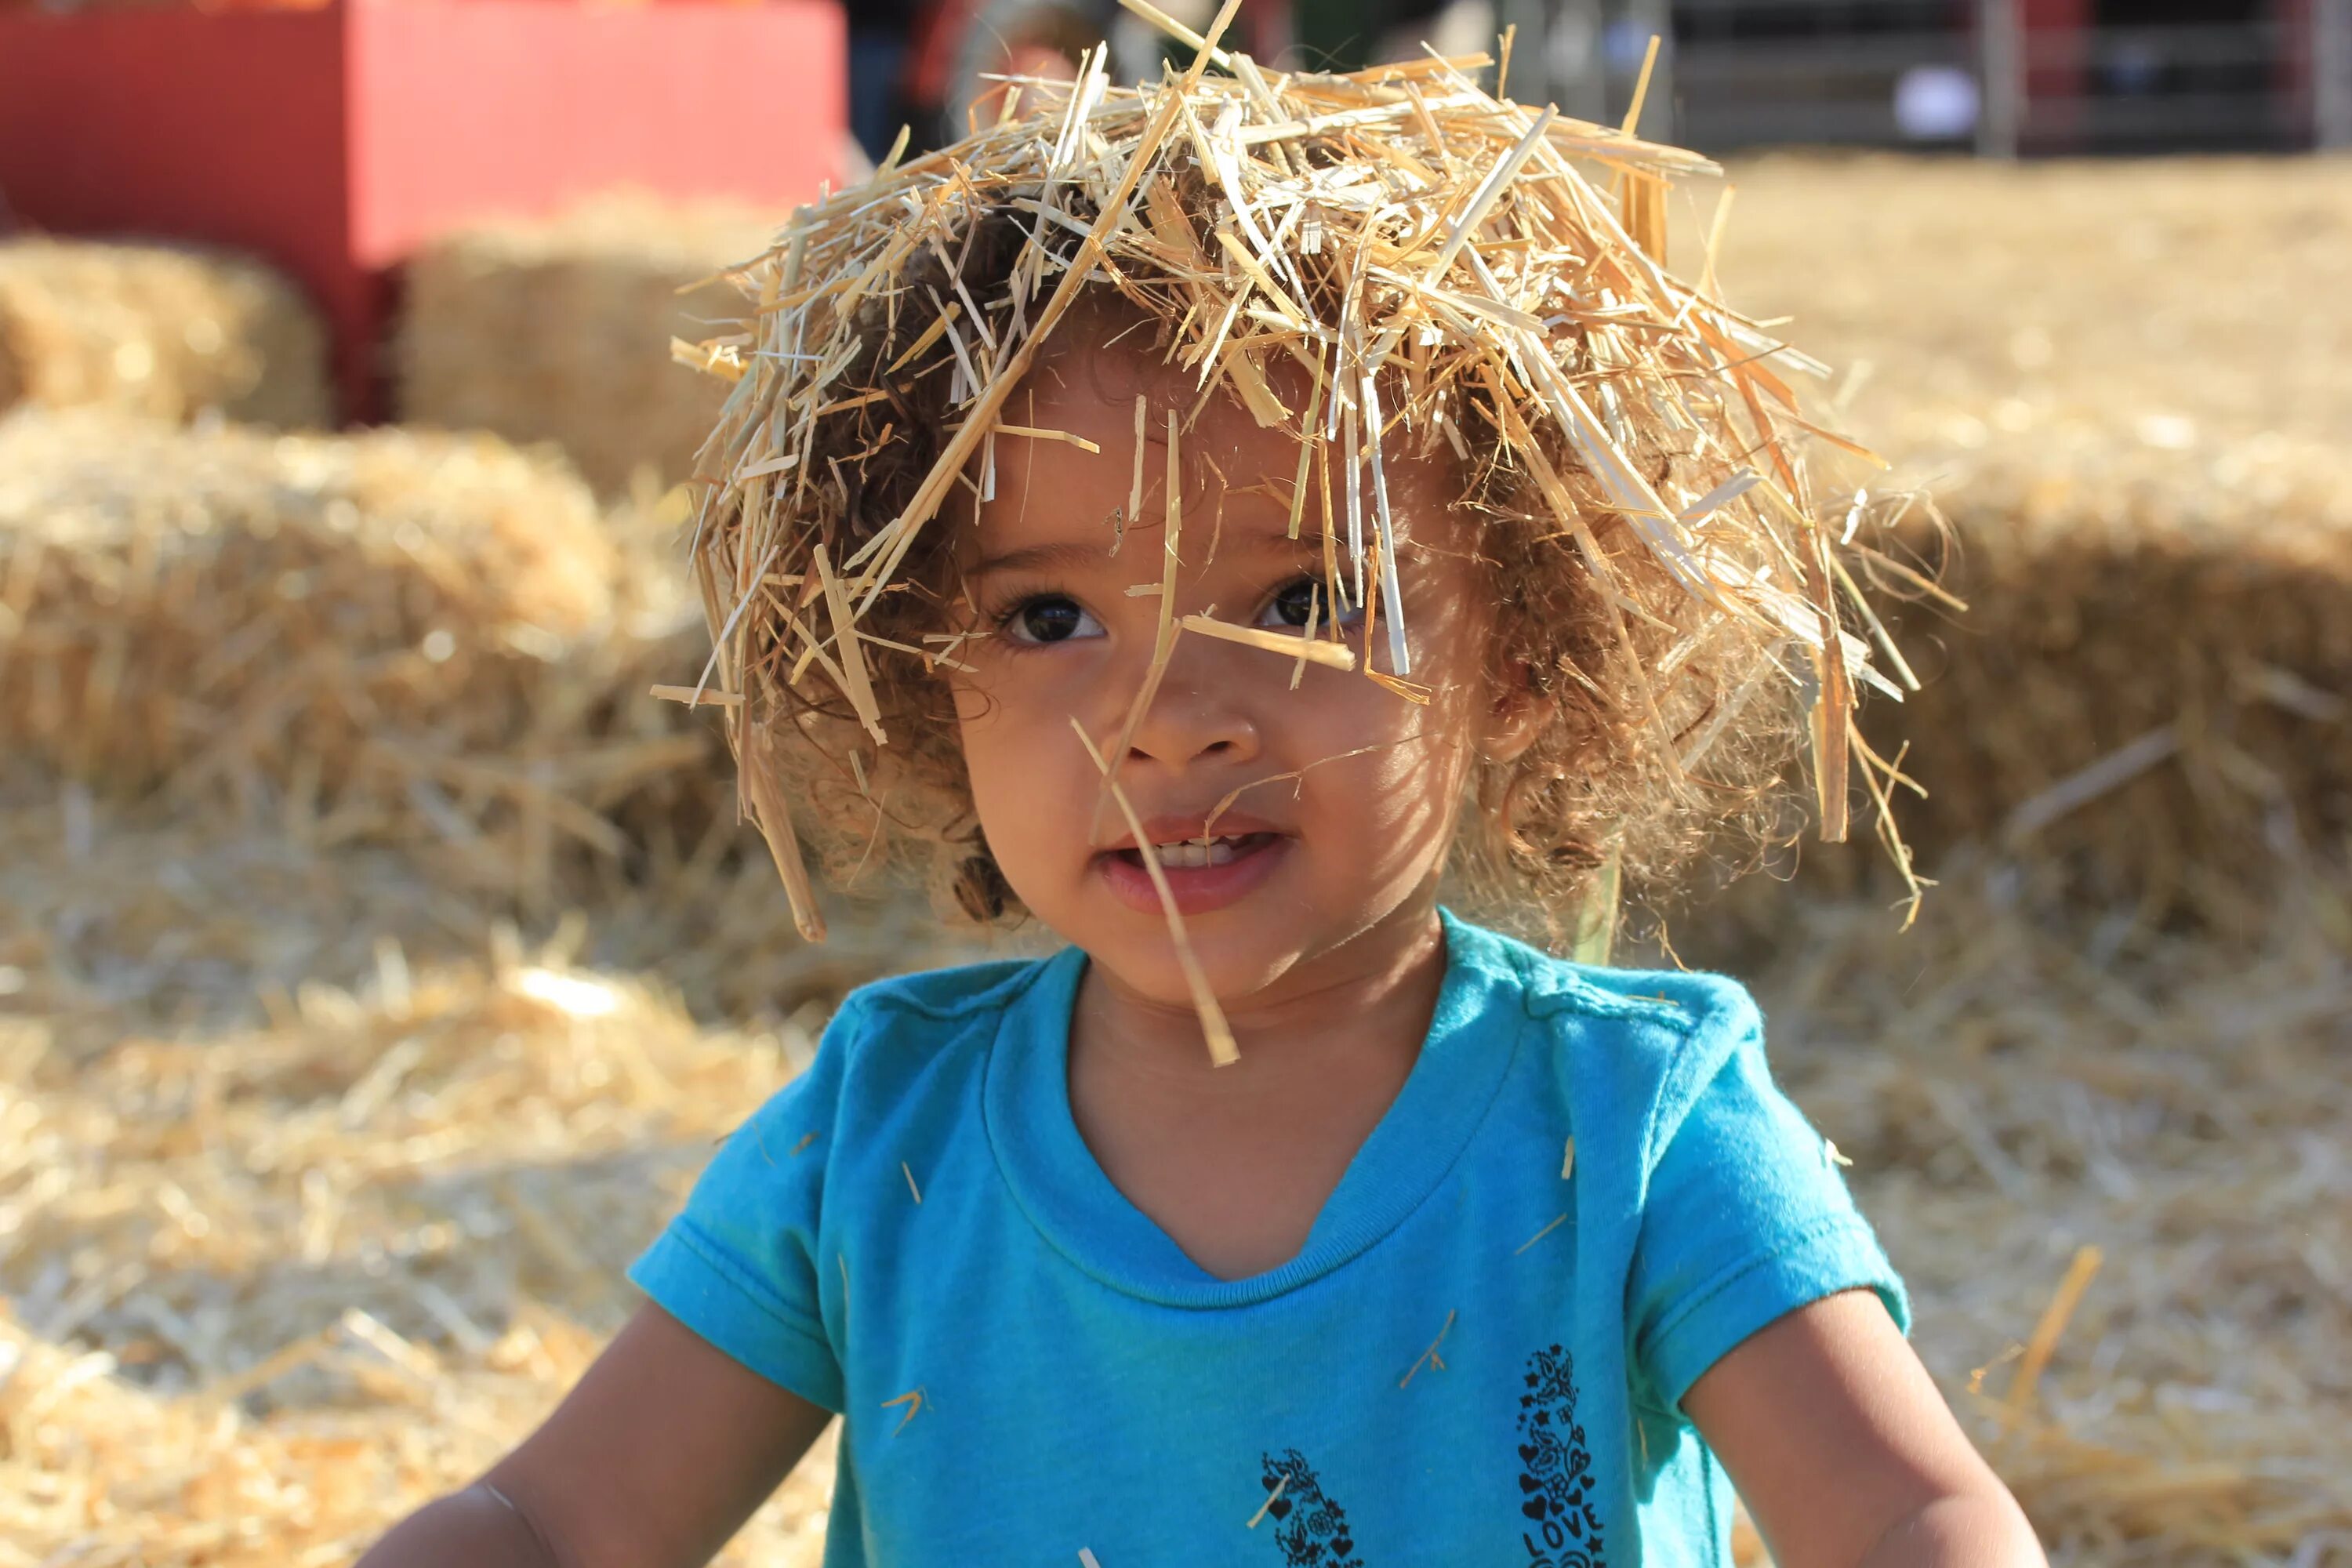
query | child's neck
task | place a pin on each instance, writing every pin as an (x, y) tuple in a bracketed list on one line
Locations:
[(1235, 1162), (1372, 996)]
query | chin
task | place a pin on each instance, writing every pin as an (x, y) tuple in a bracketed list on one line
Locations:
[(1237, 963)]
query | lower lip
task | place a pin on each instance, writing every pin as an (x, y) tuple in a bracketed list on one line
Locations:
[(1198, 889)]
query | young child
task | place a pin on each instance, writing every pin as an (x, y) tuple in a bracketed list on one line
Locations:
[(1198, 521)]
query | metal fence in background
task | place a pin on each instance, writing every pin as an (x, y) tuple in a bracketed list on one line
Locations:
[(1996, 76)]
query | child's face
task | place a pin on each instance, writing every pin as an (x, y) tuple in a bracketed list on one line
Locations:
[(1343, 794)]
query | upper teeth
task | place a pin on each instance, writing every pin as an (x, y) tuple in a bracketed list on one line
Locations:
[(1196, 852)]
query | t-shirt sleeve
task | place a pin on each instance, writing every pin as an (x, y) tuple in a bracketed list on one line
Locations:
[(1748, 1218), (737, 1265)]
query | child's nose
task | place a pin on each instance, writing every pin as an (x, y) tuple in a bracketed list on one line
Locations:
[(1193, 719)]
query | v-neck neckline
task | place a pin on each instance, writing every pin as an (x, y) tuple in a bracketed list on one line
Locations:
[(1057, 1182)]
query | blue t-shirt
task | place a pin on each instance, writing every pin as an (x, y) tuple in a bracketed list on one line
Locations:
[(1478, 1356)]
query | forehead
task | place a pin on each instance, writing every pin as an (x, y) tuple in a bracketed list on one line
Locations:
[(1237, 475)]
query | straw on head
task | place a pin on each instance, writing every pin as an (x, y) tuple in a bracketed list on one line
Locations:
[(1443, 269)]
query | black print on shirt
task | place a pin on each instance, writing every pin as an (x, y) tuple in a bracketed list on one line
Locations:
[(1563, 1528), (1311, 1528)]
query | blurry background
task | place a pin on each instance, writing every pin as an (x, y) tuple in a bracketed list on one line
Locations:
[(378, 960)]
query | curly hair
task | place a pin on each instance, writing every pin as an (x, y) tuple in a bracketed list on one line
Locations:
[(1659, 644)]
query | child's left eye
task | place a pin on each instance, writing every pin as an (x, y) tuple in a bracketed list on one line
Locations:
[(1295, 603)]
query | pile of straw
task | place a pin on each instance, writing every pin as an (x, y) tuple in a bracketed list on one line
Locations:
[(2007, 1103), (559, 331), (2145, 706), (159, 331), (389, 637)]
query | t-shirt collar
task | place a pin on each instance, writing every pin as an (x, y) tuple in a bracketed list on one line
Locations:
[(1054, 1178)]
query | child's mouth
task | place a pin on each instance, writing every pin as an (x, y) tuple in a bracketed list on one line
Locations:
[(1202, 874), (1193, 854)]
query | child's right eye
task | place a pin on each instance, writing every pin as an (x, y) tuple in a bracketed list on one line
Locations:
[(1050, 618)]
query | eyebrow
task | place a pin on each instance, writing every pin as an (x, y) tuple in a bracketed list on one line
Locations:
[(1069, 554), (1031, 557)]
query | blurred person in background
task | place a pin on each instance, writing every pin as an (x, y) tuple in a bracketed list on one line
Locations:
[(933, 65)]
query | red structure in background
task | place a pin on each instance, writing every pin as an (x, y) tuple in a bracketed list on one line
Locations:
[(335, 141)]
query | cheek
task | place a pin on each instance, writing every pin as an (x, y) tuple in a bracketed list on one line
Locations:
[(1393, 802), (988, 731), (1021, 761)]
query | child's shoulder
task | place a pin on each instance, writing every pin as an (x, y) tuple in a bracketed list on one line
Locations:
[(1631, 1048), (944, 996), (924, 1015), (1676, 1003)]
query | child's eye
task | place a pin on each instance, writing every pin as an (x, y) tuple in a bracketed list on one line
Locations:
[(1050, 618), (1296, 603)]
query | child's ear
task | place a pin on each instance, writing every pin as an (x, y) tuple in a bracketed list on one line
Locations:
[(1515, 717)]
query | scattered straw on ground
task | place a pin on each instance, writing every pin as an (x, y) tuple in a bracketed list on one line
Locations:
[(264, 1293), (160, 331), (2006, 1101), (559, 331)]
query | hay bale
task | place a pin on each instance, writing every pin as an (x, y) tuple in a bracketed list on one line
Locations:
[(559, 331), (432, 644), (2147, 708), (387, 638), (2124, 383), (166, 331)]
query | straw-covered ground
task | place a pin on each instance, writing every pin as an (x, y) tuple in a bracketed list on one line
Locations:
[(322, 1151)]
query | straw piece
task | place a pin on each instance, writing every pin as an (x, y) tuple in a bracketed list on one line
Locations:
[(1557, 1221), (1429, 1357), (1290, 644), (1306, 639), (913, 1399), (694, 696), (844, 641), (1214, 1028), (1163, 641), (1484, 197), (773, 816), (1080, 442)]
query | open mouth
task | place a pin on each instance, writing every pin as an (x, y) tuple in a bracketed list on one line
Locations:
[(1201, 874), (1197, 854)]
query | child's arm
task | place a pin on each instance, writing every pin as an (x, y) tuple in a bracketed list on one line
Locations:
[(1846, 1452), (660, 1454)]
